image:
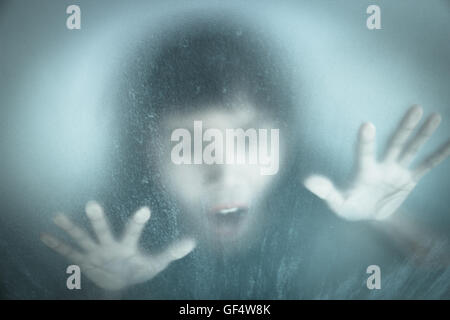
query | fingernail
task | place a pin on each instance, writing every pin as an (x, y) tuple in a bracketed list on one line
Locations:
[(436, 119), (416, 112), (48, 241), (142, 215), (184, 248), (93, 210), (369, 131), (59, 219)]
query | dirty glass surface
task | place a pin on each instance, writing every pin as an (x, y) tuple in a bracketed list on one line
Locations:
[(87, 115)]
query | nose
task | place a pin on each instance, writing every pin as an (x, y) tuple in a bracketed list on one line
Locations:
[(214, 173), (224, 174)]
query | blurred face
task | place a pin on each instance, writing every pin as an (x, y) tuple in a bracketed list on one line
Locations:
[(220, 198)]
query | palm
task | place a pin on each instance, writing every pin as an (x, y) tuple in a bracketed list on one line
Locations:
[(110, 263), (378, 194), (117, 265), (380, 187)]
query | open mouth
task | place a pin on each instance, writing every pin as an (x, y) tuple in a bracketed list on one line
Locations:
[(227, 219)]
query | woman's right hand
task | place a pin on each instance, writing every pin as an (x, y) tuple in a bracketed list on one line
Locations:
[(110, 263)]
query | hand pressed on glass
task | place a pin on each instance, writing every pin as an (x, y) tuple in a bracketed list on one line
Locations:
[(380, 187), (110, 263)]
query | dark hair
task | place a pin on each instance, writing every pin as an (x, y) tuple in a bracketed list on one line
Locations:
[(214, 63)]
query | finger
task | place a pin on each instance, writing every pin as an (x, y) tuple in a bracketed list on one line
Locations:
[(62, 248), (425, 132), (136, 225), (324, 189), (366, 146), (176, 251), (95, 214), (80, 237), (440, 155), (407, 125)]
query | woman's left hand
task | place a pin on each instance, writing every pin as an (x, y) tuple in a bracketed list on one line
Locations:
[(380, 187)]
